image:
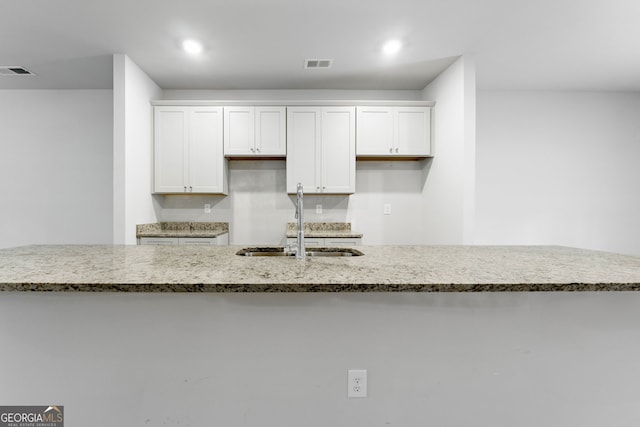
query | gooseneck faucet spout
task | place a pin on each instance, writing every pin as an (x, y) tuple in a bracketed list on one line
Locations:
[(301, 252)]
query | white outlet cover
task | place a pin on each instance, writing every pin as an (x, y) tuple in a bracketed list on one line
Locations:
[(357, 383)]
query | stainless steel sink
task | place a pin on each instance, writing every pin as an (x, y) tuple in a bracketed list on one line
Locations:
[(316, 252)]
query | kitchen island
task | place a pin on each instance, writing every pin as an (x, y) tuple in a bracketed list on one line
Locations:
[(198, 336), (381, 269)]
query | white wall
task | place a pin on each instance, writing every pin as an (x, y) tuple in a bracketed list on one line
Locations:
[(559, 168), (449, 195), (505, 359), (55, 167), (132, 148), (258, 207), (292, 95)]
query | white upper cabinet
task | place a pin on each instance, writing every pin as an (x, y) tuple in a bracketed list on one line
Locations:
[(239, 131), (412, 131), (375, 130), (303, 148), (320, 140), (255, 131), (321, 149), (271, 131), (394, 131), (169, 149), (188, 156), (338, 158)]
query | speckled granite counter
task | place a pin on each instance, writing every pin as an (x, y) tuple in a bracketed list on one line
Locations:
[(324, 229), (182, 229), (381, 269)]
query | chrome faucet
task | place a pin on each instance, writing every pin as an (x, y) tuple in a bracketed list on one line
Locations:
[(301, 252)]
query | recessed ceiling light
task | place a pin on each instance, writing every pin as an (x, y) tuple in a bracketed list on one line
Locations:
[(192, 46), (392, 46)]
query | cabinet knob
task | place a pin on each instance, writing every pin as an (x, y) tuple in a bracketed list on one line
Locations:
[(396, 150), (391, 150), (190, 189), (185, 188), (258, 150), (253, 150)]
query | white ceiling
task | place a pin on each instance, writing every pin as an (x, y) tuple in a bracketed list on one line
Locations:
[(261, 44)]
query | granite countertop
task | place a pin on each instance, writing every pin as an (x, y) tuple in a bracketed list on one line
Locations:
[(182, 229), (323, 229), (381, 269)]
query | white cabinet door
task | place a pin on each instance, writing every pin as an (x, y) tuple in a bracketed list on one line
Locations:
[(394, 131), (412, 131), (255, 131), (239, 131), (207, 167), (270, 131), (170, 141), (338, 150), (375, 130), (188, 156), (303, 148), (321, 149)]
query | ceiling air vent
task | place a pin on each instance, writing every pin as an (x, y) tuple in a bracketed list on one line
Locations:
[(14, 71), (317, 64)]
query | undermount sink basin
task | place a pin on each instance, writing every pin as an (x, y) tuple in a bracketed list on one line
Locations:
[(315, 252)]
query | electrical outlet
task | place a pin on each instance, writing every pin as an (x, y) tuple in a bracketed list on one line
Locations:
[(318, 209), (357, 383), (387, 208), (207, 208)]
